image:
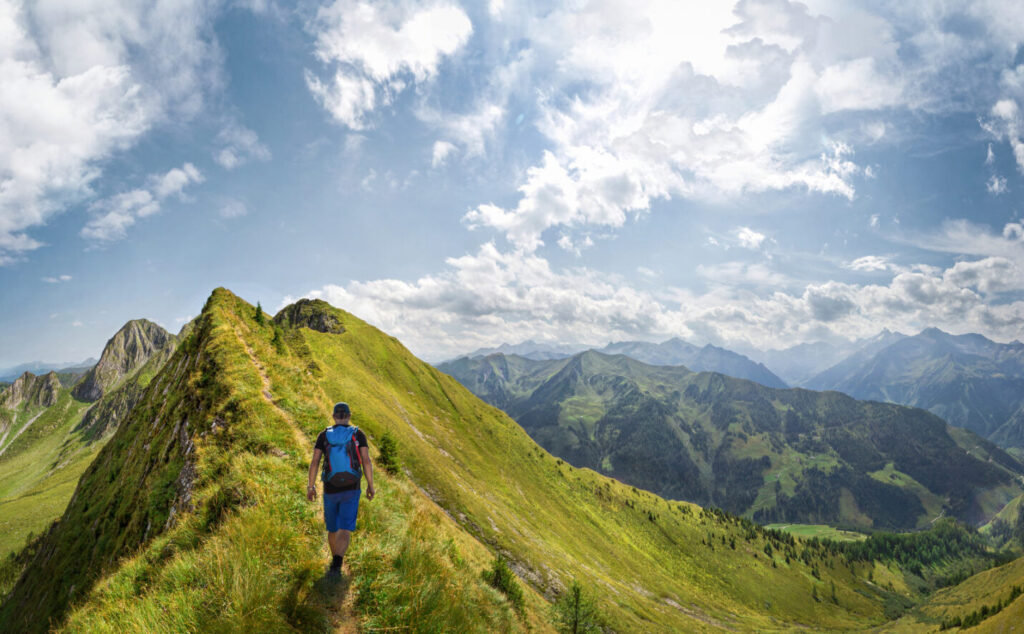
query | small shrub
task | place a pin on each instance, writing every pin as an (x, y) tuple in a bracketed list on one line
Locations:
[(501, 577), (389, 454), (278, 340)]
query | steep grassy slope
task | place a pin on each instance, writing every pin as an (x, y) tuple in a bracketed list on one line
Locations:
[(987, 588), (39, 470), (775, 455), (201, 488)]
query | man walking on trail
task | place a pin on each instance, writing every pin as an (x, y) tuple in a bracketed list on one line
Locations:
[(347, 458)]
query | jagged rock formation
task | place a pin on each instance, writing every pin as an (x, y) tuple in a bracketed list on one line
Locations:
[(314, 314), (132, 346), (41, 391)]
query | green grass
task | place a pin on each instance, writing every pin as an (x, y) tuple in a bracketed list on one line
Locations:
[(819, 531), (39, 471)]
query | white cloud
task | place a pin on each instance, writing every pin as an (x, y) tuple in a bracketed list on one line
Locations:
[(856, 85), (749, 239), (174, 181), (232, 208), (990, 156), (442, 149), (1006, 124), (348, 98), (873, 221), (239, 145), (996, 185), (870, 263), (661, 99), (494, 296), (113, 216), (378, 50), (742, 273), (82, 81), (58, 279)]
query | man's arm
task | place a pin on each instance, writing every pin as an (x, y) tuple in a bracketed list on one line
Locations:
[(313, 467), (364, 457)]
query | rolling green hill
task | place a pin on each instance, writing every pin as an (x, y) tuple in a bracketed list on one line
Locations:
[(193, 515), (774, 455)]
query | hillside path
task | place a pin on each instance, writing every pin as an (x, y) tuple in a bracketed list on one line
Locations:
[(343, 616), (24, 427)]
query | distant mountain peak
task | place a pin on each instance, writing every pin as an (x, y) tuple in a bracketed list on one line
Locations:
[(127, 350), (29, 388)]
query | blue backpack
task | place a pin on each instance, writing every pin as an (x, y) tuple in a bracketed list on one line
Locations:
[(342, 468)]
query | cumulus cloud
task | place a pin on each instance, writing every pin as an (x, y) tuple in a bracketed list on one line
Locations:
[(239, 145), (749, 239), (377, 50), (996, 185), (1006, 124), (442, 150), (663, 100), (870, 263), (495, 296), (82, 81), (114, 215)]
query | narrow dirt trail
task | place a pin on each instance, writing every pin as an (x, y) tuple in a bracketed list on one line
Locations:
[(343, 617)]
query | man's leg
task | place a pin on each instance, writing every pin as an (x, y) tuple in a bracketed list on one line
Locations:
[(338, 541)]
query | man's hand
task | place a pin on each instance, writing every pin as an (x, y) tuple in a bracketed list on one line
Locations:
[(370, 492), (311, 493)]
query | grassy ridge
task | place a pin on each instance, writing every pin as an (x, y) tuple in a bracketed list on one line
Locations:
[(555, 522), (194, 513)]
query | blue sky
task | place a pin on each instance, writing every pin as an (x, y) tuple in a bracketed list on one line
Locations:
[(759, 174)]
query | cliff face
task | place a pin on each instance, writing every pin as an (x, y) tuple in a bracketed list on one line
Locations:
[(129, 349), (34, 390)]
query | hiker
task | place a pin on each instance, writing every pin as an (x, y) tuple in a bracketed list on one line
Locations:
[(348, 457)]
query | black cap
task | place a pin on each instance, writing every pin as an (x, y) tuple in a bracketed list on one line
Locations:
[(341, 410)]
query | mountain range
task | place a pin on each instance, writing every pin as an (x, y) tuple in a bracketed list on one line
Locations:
[(8, 375), (192, 516), (674, 351), (968, 380), (772, 454), (50, 429)]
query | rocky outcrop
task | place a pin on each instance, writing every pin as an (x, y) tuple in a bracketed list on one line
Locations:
[(41, 391), (314, 314), (128, 350)]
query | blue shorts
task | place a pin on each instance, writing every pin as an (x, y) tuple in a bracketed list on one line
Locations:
[(340, 510)]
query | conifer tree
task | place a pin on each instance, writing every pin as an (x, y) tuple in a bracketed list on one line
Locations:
[(576, 612)]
